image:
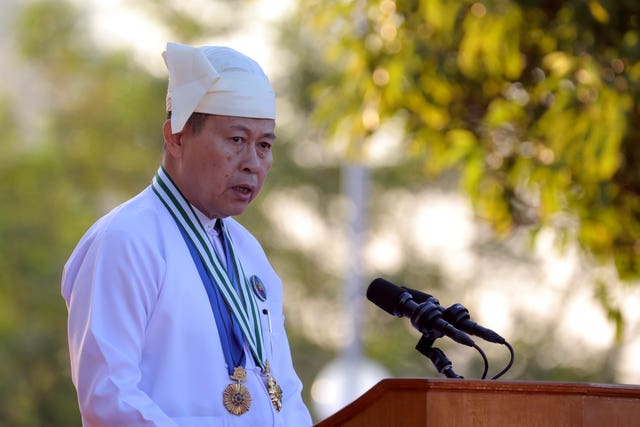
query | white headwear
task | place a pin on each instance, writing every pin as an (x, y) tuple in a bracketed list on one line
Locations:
[(215, 80)]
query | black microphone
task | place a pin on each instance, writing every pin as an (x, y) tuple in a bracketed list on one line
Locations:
[(419, 296), (459, 317), (425, 317)]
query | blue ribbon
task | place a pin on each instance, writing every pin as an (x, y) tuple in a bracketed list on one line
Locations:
[(228, 330)]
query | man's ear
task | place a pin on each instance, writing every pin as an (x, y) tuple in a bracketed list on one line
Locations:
[(173, 141)]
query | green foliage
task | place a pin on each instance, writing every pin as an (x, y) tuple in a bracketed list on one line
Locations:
[(530, 107), (46, 30), (535, 104), (34, 375)]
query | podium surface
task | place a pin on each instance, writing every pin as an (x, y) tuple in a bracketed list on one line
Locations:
[(459, 402)]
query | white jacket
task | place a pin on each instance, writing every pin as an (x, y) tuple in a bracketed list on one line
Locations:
[(143, 342)]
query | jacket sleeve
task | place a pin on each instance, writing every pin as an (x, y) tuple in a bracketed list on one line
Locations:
[(110, 285)]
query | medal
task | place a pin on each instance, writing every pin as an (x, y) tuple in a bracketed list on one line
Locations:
[(275, 392), (236, 397)]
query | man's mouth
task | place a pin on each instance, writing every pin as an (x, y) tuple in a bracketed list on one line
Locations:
[(243, 189)]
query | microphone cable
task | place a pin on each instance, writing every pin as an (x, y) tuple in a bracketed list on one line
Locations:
[(484, 359), (511, 359)]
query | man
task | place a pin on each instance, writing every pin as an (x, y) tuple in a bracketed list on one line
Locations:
[(175, 314)]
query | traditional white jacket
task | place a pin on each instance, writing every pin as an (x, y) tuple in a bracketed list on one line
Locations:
[(143, 342)]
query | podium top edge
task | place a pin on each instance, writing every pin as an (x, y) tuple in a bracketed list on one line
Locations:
[(523, 386)]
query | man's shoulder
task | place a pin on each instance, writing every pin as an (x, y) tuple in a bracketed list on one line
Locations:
[(141, 210), (133, 232), (142, 215)]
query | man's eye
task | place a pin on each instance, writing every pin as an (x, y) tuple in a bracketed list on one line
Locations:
[(265, 146), (236, 139)]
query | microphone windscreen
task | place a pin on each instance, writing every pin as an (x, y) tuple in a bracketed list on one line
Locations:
[(385, 295)]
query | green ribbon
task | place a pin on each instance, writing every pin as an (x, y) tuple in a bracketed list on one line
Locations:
[(241, 302)]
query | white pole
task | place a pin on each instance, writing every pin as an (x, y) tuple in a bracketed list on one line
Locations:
[(355, 183)]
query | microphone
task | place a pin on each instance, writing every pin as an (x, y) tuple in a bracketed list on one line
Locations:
[(425, 317), (459, 317)]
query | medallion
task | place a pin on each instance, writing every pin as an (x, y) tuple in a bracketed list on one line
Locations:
[(275, 392), (258, 288), (236, 398)]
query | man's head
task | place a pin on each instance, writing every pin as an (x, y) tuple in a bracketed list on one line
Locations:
[(221, 127)]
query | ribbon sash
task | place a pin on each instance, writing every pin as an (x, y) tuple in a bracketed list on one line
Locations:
[(230, 334), (240, 302)]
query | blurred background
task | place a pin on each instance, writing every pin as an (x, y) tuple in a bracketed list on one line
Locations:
[(484, 152)]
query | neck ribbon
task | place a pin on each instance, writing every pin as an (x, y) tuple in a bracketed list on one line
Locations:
[(240, 301)]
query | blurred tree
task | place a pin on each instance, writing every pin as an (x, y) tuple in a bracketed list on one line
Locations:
[(533, 103), (530, 107)]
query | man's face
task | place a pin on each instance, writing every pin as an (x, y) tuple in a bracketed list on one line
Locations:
[(223, 167)]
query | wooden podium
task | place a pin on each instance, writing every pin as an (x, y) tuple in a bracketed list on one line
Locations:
[(458, 402)]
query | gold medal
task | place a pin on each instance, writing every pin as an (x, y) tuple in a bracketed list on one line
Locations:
[(275, 392), (236, 397)]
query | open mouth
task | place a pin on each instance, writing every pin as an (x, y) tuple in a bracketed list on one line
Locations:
[(242, 189)]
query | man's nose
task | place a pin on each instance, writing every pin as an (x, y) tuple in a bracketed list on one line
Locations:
[(250, 158)]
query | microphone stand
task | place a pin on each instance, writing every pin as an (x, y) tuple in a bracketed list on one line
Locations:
[(437, 356)]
